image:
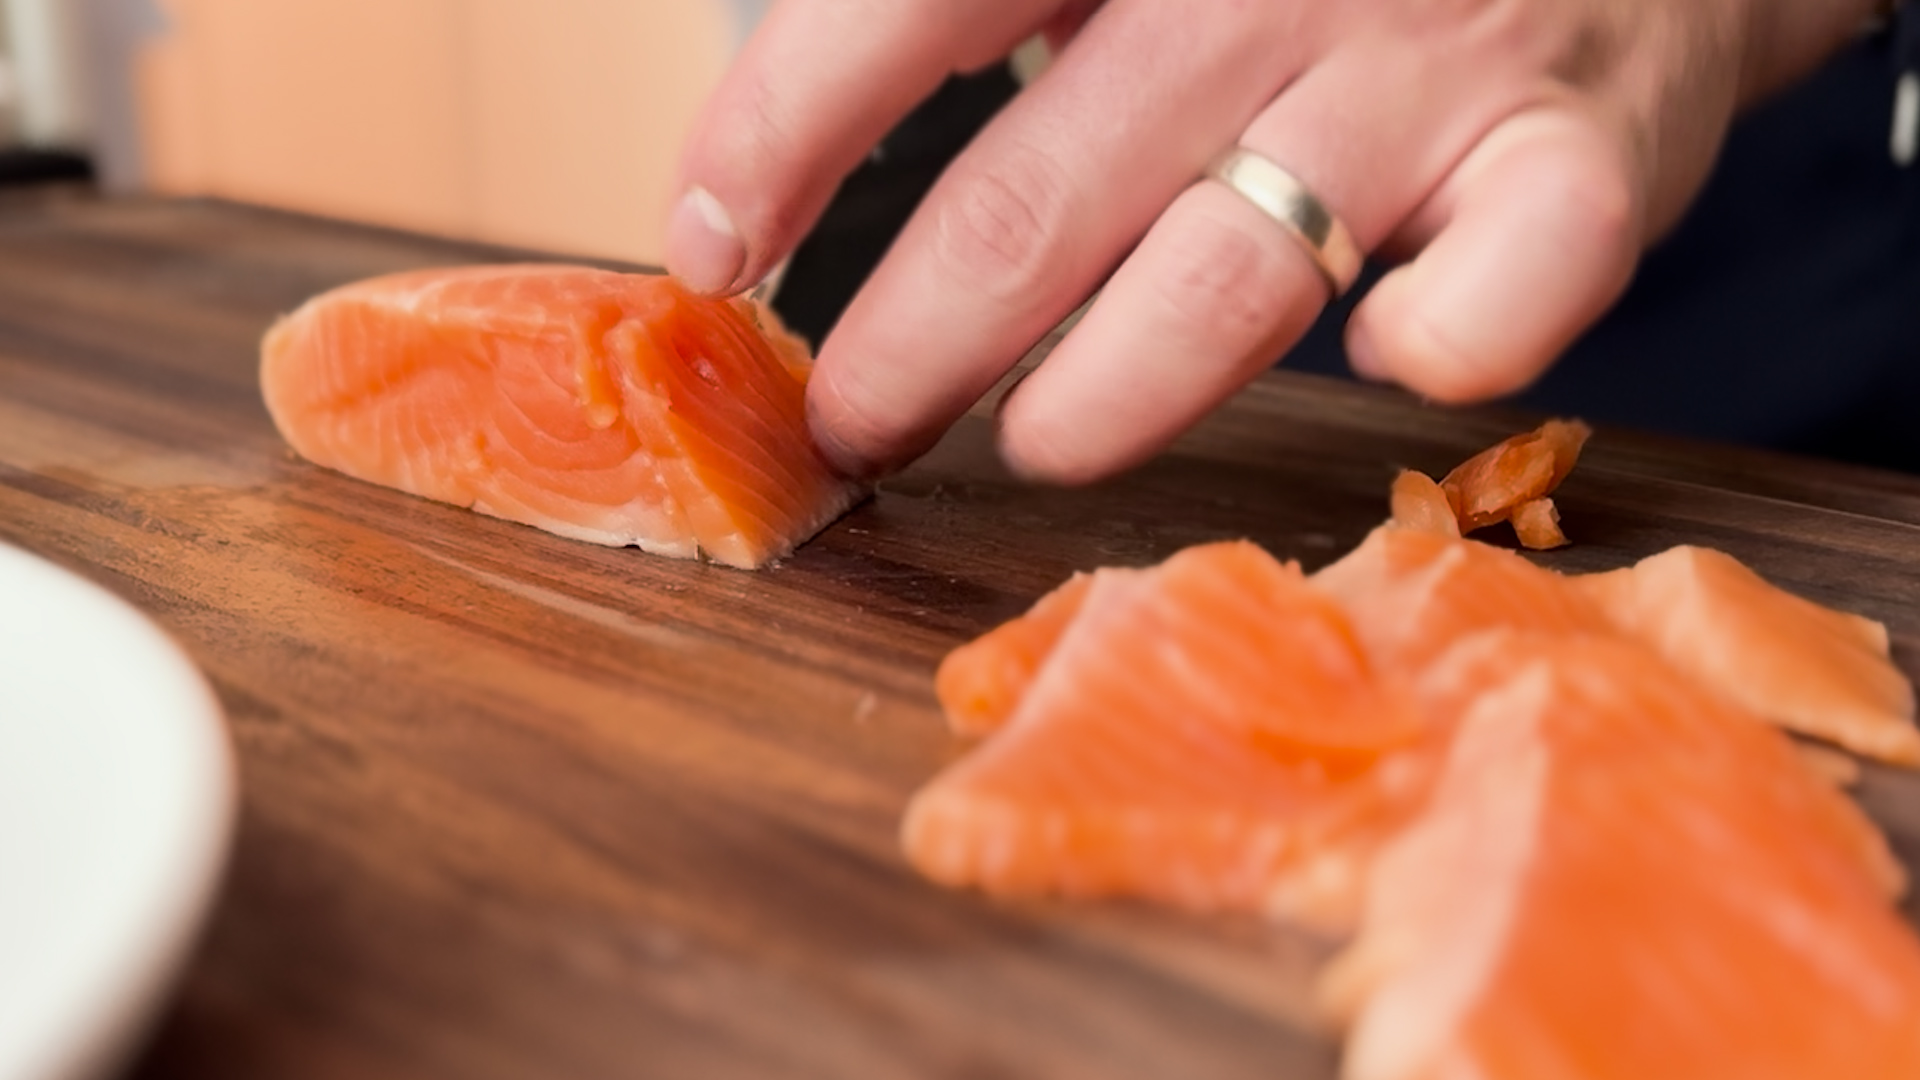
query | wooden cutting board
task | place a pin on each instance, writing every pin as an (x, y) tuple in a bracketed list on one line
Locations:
[(515, 806)]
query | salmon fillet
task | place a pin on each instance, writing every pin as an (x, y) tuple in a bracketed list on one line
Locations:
[(1621, 875), (614, 408)]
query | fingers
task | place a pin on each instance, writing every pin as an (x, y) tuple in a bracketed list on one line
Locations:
[(1035, 213), (1210, 297), (1217, 290), (815, 89), (1544, 223)]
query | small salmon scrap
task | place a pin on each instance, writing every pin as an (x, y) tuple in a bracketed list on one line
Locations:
[(1510, 481), (1420, 504), (614, 408), (981, 682)]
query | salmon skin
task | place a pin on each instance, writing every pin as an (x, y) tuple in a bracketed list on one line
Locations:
[(614, 408)]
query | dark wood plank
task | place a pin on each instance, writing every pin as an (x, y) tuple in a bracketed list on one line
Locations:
[(516, 806)]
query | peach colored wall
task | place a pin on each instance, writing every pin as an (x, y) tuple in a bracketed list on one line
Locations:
[(545, 123)]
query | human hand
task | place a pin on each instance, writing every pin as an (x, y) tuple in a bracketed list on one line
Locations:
[(1520, 153)]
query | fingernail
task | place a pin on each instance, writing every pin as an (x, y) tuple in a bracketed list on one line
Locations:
[(1361, 354), (703, 248)]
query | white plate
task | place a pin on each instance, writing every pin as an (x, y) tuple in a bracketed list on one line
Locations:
[(116, 804)]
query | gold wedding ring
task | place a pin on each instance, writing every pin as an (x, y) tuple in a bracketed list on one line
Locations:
[(1287, 201)]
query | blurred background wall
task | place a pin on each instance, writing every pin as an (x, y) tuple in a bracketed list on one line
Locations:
[(551, 124)]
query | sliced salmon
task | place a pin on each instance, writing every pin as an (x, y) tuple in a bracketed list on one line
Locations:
[(1830, 766), (1412, 595), (1620, 875), (1548, 805), (1180, 739), (1322, 885), (1814, 670), (614, 408), (979, 683)]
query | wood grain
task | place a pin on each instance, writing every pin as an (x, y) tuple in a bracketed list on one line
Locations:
[(515, 806)]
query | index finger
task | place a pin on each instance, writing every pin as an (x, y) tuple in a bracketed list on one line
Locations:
[(818, 85)]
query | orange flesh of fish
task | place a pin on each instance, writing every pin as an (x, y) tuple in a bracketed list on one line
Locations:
[(1186, 731), (1808, 668), (1486, 487), (1420, 504), (1413, 595), (979, 683), (1621, 876), (1829, 765), (1409, 598), (1553, 815), (614, 408), (1509, 481), (1537, 524)]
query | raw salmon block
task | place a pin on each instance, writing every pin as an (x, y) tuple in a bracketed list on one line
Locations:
[(1182, 741), (1623, 876), (1814, 670), (614, 408)]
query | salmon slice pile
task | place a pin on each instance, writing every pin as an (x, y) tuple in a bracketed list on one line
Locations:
[(614, 408), (1558, 815)]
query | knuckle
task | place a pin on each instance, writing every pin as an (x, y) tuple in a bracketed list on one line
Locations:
[(1234, 284), (758, 137), (1582, 175), (1000, 228)]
